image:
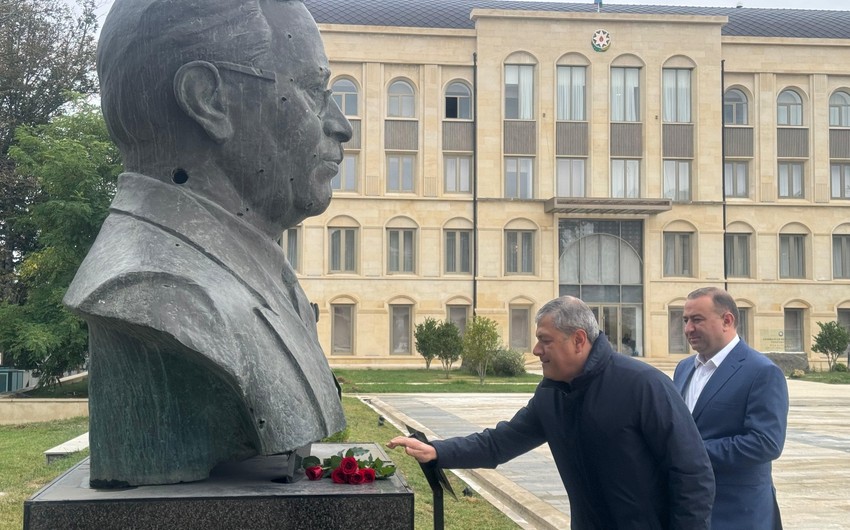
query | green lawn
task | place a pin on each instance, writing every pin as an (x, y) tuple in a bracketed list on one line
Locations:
[(365, 381), (835, 378), (23, 467)]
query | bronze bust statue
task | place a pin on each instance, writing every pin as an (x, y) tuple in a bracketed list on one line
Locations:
[(203, 346)]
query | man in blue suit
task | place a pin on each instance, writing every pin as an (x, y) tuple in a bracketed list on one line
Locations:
[(739, 400)]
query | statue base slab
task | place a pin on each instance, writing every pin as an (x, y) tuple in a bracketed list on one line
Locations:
[(238, 495)]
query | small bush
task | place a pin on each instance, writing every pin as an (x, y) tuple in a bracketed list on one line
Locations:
[(839, 367), (797, 374), (508, 363)]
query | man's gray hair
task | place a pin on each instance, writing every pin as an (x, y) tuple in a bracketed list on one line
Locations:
[(569, 314)]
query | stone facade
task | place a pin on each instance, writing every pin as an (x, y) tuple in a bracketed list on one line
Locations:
[(783, 272)]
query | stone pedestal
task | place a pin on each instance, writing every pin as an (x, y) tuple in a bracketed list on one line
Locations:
[(238, 496)]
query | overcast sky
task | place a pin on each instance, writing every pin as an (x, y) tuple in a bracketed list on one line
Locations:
[(843, 5)]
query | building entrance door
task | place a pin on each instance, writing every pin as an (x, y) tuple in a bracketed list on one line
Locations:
[(620, 324)]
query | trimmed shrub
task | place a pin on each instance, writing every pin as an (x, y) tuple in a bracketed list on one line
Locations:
[(839, 367), (508, 363)]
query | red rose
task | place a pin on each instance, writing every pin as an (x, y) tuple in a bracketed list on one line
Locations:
[(314, 472), (356, 477), (368, 475), (349, 465), (338, 476)]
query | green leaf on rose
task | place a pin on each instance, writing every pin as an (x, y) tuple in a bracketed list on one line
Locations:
[(311, 461)]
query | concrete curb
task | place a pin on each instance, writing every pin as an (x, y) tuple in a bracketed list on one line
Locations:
[(522, 506)]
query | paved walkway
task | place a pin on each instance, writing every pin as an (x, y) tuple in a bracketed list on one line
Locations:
[(812, 477)]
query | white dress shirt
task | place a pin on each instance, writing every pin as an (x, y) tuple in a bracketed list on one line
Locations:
[(703, 372)]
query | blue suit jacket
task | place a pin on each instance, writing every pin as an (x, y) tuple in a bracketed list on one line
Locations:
[(741, 414)]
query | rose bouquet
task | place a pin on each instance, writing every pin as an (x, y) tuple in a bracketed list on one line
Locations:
[(349, 467)]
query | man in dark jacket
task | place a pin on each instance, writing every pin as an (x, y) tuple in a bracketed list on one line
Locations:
[(623, 440)]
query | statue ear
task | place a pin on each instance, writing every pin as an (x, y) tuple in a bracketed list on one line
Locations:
[(197, 87)]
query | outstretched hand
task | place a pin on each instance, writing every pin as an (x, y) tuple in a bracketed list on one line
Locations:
[(421, 451)]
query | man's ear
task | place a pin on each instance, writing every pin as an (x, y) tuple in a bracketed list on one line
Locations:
[(197, 87)]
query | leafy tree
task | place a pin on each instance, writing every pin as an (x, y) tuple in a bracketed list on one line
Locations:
[(480, 342), (47, 53), (75, 165), (832, 341), (425, 335), (449, 345)]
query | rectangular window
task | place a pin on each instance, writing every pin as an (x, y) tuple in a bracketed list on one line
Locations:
[(342, 329), (625, 94), (400, 173), (519, 178), (401, 329), (458, 315), (737, 179), (738, 255), (458, 170), (844, 319), (570, 177), (572, 87), (791, 180), (458, 251), (792, 256), (343, 249), (744, 324), (346, 177), (519, 252), (678, 254), (794, 330), (840, 181), (519, 92), (625, 178), (676, 342), (677, 180), (520, 336), (289, 244), (677, 95), (401, 257), (841, 257)]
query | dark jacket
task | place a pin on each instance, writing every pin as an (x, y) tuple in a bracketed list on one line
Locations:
[(623, 440)]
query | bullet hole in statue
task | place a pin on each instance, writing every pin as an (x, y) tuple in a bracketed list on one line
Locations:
[(288, 35), (283, 99), (179, 176)]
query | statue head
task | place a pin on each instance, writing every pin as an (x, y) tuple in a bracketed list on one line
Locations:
[(226, 98)]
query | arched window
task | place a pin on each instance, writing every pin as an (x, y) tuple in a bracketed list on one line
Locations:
[(401, 102), (458, 101), (735, 107), (789, 108), (345, 95), (839, 110)]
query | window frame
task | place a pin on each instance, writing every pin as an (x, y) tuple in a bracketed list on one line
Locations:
[(736, 112), (409, 332), (399, 162), (624, 108), (458, 104), (673, 183), (457, 251), (790, 180), (347, 174), (519, 254), (676, 100), (405, 242), (732, 184), (789, 113), (676, 331), (335, 328), (338, 251), (738, 243), (523, 109), (516, 180), (346, 98), (565, 185), (571, 93), (401, 104), (792, 256), (459, 185), (841, 256), (519, 339), (679, 264), (839, 111), (839, 184), (290, 242), (628, 191)]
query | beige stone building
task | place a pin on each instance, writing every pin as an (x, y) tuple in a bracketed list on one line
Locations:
[(505, 153)]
